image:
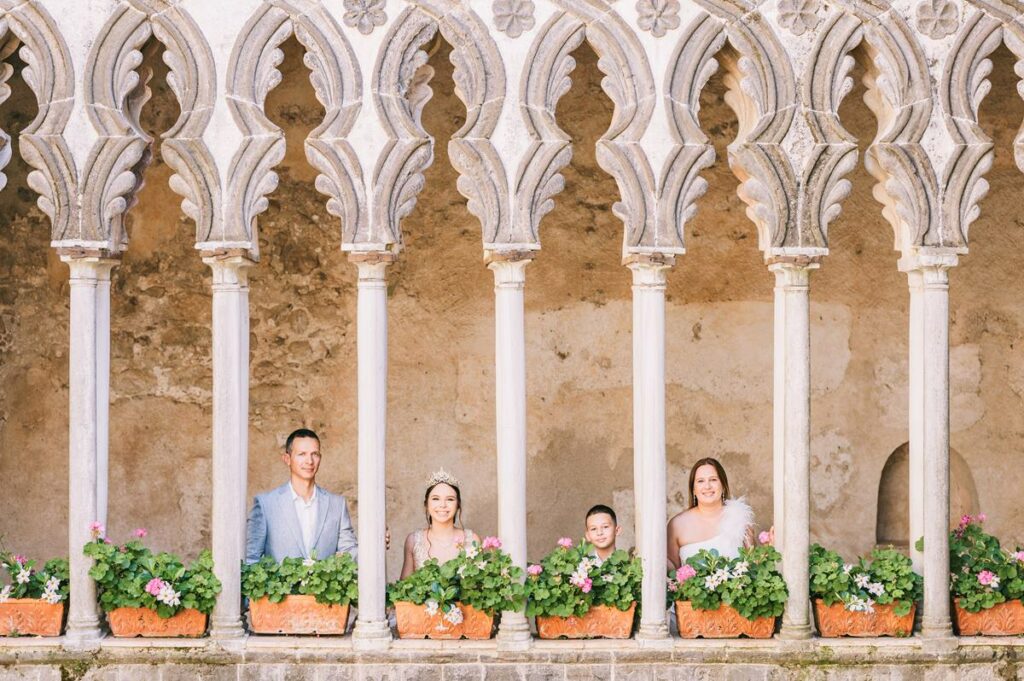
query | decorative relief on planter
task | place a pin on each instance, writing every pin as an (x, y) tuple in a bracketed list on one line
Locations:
[(657, 16), (131, 622), (513, 17), (30, 617), (722, 623), (414, 622), (601, 621), (297, 615), (799, 16), (835, 620), (1003, 619), (365, 15), (938, 18)]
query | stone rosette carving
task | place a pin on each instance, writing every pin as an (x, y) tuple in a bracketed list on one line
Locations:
[(365, 15), (938, 18), (657, 16), (799, 16), (513, 17)]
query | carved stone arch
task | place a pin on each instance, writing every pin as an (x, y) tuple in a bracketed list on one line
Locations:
[(762, 92), (834, 154), (8, 44), (899, 94), (401, 89), (49, 73), (252, 74), (964, 85)]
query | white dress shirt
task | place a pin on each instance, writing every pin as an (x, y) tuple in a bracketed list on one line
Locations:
[(306, 511)]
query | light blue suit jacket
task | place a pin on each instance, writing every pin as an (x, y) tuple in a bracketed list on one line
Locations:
[(273, 527)]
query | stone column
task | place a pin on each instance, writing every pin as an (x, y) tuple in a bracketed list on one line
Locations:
[(915, 462), (792, 437), (929, 399), (230, 433), (510, 402), (88, 385), (371, 630), (649, 281)]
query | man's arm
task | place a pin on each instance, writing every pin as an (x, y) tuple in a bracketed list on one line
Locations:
[(346, 534), (255, 533)]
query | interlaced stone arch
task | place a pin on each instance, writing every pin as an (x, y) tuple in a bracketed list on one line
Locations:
[(401, 89), (252, 73), (49, 73), (762, 92), (115, 94), (964, 85)]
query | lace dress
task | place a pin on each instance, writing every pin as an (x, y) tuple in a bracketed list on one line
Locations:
[(737, 516), (421, 546)]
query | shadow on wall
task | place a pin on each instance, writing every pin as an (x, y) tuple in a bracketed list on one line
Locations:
[(893, 495)]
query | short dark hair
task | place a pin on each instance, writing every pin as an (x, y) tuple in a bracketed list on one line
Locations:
[(601, 508), (301, 432)]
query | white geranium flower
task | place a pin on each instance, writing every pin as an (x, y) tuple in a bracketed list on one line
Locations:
[(461, 570), (847, 567), (480, 564), (858, 604), (309, 562), (23, 576), (471, 551), (862, 581), (454, 616), (608, 578), (168, 596), (741, 569), (876, 588), (431, 608), (5, 593)]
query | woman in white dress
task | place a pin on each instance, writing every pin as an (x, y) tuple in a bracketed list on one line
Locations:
[(712, 520), (443, 536)]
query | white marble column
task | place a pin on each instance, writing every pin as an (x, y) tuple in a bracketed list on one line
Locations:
[(915, 457), (371, 630), (649, 281), (792, 437), (929, 400), (510, 402), (230, 434), (88, 382)]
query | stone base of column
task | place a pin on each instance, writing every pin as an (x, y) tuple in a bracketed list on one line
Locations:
[(941, 629), (514, 632), (226, 628), (371, 635), (795, 632), (654, 636), (83, 637)]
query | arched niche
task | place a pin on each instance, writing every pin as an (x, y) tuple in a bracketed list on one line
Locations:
[(892, 524)]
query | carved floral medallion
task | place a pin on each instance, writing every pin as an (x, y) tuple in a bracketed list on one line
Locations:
[(799, 16), (657, 16), (938, 18), (513, 17), (365, 15)]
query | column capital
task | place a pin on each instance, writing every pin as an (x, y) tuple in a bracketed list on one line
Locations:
[(793, 272), (650, 270), (509, 267), (371, 265), (650, 260), (230, 266), (89, 264), (513, 256), (932, 267)]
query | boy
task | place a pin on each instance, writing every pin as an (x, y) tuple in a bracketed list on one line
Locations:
[(602, 529)]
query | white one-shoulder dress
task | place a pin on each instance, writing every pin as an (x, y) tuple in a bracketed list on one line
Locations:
[(737, 516)]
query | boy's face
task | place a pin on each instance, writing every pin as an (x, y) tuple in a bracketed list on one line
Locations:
[(602, 531)]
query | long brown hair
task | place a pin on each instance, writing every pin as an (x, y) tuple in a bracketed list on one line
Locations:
[(691, 499)]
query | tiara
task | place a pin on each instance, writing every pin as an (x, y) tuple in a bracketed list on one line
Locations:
[(439, 476)]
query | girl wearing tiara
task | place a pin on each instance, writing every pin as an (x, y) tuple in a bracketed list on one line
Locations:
[(444, 534)]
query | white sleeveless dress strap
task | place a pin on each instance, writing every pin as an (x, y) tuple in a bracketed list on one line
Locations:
[(736, 517)]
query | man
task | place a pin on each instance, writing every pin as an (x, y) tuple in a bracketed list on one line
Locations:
[(299, 519)]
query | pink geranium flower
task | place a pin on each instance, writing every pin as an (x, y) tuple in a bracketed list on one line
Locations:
[(140, 532), (684, 573), (154, 585), (764, 537), (565, 542), (491, 543), (588, 584), (96, 529), (534, 570), (1019, 556), (988, 578), (981, 517), (20, 559)]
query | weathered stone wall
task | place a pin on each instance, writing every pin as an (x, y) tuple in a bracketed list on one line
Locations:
[(719, 320)]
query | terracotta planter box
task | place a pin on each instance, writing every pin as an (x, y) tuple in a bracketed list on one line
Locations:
[(1003, 619), (414, 622), (131, 622), (30, 617), (835, 620), (601, 621), (297, 615), (722, 623)]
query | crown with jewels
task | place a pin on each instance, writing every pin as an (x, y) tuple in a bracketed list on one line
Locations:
[(439, 476)]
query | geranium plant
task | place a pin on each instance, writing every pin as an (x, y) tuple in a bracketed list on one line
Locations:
[(749, 583), (129, 575), (982, 573), (482, 576), (570, 580), (888, 578), (48, 583), (331, 580)]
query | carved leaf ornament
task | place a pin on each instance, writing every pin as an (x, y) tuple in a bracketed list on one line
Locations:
[(938, 18), (365, 15), (799, 16), (657, 16), (513, 17)]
